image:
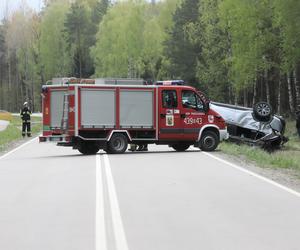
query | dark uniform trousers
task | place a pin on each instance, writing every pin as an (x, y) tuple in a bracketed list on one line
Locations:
[(26, 127), (25, 115)]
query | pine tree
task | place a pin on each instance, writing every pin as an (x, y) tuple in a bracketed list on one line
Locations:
[(179, 49)]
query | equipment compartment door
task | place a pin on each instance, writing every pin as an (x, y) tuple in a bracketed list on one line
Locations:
[(169, 115), (56, 107), (97, 107)]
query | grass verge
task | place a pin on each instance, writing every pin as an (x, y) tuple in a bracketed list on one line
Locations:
[(288, 157), (13, 132)]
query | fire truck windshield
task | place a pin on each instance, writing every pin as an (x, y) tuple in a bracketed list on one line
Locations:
[(191, 100)]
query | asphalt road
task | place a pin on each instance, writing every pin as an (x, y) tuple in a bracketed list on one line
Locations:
[(54, 198)]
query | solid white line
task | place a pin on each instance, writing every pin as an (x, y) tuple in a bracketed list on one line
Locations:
[(262, 178), (100, 233), (118, 229), (17, 148)]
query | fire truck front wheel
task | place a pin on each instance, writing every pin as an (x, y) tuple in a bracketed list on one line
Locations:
[(88, 148), (209, 141), (117, 144)]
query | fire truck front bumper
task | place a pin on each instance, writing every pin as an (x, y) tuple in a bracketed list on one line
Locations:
[(224, 135), (56, 138)]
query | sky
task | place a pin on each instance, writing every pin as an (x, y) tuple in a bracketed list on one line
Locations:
[(10, 5)]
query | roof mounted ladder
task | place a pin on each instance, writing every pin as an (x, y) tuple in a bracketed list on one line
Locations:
[(65, 116)]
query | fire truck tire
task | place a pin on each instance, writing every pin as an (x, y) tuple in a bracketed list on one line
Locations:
[(209, 141), (180, 147), (88, 148), (117, 144)]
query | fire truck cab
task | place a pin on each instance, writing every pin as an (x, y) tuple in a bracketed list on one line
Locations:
[(109, 114)]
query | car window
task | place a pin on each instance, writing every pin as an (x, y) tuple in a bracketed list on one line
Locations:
[(191, 100), (169, 99)]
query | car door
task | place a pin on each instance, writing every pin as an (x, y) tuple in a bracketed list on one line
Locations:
[(193, 115), (169, 116)]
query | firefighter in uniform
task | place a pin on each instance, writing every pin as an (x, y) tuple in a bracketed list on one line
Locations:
[(25, 116)]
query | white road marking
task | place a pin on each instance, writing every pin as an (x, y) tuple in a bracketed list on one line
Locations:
[(17, 148), (262, 178), (100, 233), (118, 229)]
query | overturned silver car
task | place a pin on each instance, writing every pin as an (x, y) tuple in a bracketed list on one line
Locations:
[(254, 126)]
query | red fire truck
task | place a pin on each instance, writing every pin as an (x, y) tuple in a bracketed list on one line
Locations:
[(109, 114)]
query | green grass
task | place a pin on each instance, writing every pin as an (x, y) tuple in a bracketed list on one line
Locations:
[(13, 132), (288, 157)]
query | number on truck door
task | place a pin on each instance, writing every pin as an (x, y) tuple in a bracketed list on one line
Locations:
[(194, 116)]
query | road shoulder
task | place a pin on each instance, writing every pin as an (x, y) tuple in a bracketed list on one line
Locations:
[(15, 144), (287, 177)]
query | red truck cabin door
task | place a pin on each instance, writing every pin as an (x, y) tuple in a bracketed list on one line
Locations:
[(193, 114), (169, 115)]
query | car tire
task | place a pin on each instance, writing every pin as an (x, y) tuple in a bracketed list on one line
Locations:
[(180, 147), (262, 111), (88, 148), (209, 141), (117, 144)]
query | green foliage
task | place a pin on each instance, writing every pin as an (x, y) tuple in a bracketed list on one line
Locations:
[(55, 57), (253, 38), (287, 20), (224, 47), (130, 39), (81, 26), (181, 52), (215, 59), (120, 41)]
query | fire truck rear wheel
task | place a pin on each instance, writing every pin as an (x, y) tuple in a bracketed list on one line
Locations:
[(117, 144), (180, 147), (88, 148), (209, 141)]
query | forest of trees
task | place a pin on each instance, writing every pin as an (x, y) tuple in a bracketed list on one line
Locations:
[(237, 52)]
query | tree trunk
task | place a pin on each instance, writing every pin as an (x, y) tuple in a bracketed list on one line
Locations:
[(245, 92), (254, 91), (261, 94), (297, 90), (79, 52), (279, 96), (1, 85), (9, 103), (267, 87), (236, 98), (291, 104), (229, 94)]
